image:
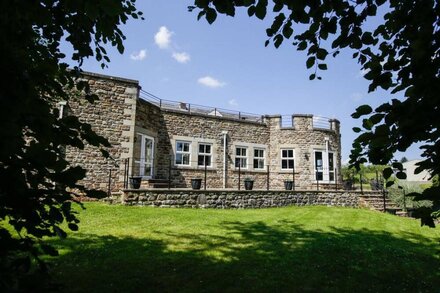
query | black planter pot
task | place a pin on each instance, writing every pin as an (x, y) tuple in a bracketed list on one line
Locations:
[(248, 184), (288, 184), (135, 182), (196, 183)]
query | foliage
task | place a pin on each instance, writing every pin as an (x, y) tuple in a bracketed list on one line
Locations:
[(399, 53), (399, 195), (38, 183), (293, 249)]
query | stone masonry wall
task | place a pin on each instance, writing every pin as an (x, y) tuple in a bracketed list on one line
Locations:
[(304, 138), (220, 199), (167, 126), (112, 116)]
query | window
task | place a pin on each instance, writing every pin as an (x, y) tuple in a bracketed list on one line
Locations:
[(331, 167), (205, 153), (287, 159), (319, 166), (259, 159), (183, 153), (241, 157)]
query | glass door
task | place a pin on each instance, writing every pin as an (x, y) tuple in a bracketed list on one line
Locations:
[(145, 159), (324, 166)]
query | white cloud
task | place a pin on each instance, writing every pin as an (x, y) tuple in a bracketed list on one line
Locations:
[(210, 82), (163, 37), (356, 97), (138, 56), (181, 57), (233, 103)]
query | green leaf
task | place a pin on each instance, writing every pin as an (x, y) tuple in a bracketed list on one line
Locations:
[(73, 227), (312, 76), (362, 110), (211, 15), (322, 66), (356, 129), (302, 46), (261, 9), (310, 61), (287, 30), (387, 172), (401, 175), (321, 53), (278, 40)]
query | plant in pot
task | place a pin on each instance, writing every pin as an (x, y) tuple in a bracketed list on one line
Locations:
[(248, 183), (196, 183), (288, 184), (135, 182)]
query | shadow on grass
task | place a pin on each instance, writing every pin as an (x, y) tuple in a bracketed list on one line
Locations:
[(251, 257)]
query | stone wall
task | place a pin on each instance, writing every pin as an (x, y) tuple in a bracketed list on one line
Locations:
[(305, 139), (166, 126), (120, 115), (220, 199), (112, 116)]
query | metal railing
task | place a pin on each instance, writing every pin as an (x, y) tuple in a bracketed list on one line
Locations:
[(286, 121), (322, 122), (237, 174), (199, 109)]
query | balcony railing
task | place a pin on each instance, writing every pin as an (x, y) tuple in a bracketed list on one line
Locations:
[(199, 109)]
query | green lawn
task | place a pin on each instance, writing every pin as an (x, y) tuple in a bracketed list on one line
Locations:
[(143, 249)]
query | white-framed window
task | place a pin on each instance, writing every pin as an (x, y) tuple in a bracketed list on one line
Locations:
[(259, 159), (287, 159), (241, 157), (205, 155), (183, 153)]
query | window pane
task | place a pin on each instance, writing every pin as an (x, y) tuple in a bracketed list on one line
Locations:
[(256, 154), (330, 161), (178, 159), (179, 146), (284, 153), (237, 152), (237, 162), (185, 159), (319, 176), (186, 147), (208, 160), (283, 164), (200, 160), (201, 148), (291, 164), (290, 153), (243, 151), (207, 148)]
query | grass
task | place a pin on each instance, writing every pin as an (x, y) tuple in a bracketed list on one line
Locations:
[(296, 249)]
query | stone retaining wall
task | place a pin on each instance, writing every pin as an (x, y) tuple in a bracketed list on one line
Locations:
[(233, 199)]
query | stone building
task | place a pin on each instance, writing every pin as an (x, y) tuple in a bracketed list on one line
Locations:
[(164, 141)]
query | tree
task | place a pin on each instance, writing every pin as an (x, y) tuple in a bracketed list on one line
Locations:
[(399, 55), (38, 184), (403, 160)]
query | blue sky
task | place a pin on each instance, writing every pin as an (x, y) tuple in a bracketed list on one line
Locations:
[(226, 65)]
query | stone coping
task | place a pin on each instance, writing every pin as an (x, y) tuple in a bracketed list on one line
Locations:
[(179, 190), (110, 77)]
